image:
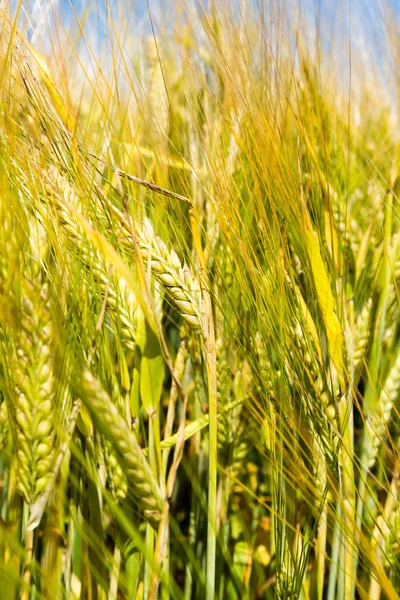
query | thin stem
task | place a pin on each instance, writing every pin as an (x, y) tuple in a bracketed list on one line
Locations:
[(321, 550), (116, 565), (348, 491), (336, 544), (28, 564)]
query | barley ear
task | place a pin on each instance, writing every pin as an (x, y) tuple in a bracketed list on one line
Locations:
[(181, 285), (31, 371), (113, 426)]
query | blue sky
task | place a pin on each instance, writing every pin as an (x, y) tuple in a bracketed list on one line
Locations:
[(362, 21), (339, 22), (369, 12)]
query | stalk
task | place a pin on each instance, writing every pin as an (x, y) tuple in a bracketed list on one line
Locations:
[(195, 508), (211, 363), (52, 545), (211, 368), (345, 409), (150, 533), (191, 541), (28, 565), (115, 571), (336, 545), (321, 549)]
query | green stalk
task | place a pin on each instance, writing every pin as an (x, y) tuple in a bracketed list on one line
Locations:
[(211, 367), (150, 539), (69, 558), (336, 544), (196, 468), (161, 542), (72, 519), (154, 423), (52, 548), (321, 550), (191, 541), (212, 478), (115, 571), (341, 574), (29, 535), (345, 409), (150, 533)]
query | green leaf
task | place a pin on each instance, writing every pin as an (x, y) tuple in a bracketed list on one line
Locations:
[(151, 366), (195, 426)]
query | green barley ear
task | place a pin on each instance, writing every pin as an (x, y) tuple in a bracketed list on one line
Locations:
[(116, 476), (3, 424), (121, 303), (286, 577), (182, 287), (376, 424), (361, 333), (318, 398), (392, 546), (113, 426), (30, 365)]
